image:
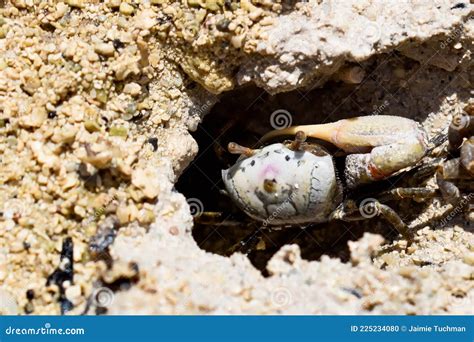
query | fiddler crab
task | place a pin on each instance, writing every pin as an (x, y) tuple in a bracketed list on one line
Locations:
[(295, 183)]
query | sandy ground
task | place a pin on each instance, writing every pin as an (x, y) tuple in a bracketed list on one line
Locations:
[(97, 102)]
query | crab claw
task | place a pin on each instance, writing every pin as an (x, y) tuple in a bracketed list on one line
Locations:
[(380, 145)]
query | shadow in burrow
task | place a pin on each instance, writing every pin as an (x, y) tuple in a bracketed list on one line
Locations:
[(393, 85)]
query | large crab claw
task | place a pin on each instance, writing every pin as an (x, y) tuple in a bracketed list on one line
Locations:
[(379, 145)]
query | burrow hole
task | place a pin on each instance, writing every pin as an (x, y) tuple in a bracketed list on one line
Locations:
[(244, 115)]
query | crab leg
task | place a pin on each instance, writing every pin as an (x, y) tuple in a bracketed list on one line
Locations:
[(452, 170), (381, 145), (413, 193), (348, 212), (467, 155)]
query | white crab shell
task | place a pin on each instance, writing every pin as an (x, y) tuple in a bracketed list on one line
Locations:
[(305, 186)]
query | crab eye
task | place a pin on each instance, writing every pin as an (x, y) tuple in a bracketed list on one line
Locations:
[(269, 185)]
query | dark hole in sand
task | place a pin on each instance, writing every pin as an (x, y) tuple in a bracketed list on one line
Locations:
[(244, 115)]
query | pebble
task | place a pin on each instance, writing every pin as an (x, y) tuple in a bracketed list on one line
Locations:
[(126, 9), (9, 305), (73, 293), (37, 117), (105, 49), (469, 258), (145, 20), (76, 3), (127, 214), (147, 181), (61, 10), (407, 271), (114, 3), (132, 88)]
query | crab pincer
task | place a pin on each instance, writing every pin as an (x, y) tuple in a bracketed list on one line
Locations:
[(378, 146)]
